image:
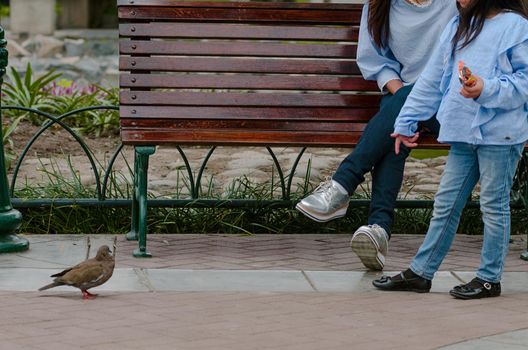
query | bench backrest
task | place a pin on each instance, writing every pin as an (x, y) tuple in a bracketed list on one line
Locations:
[(241, 73)]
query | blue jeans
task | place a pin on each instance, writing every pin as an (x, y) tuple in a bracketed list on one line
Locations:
[(375, 153), (466, 164)]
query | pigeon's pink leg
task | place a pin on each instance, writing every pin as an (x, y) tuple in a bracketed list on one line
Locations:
[(87, 295)]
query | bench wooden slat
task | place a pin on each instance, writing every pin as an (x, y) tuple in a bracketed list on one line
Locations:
[(314, 16), (236, 137), (239, 81), (239, 124), (246, 99), (245, 5), (201, 48), (240, 65), (254, 138), (238, 31), (268, 113)]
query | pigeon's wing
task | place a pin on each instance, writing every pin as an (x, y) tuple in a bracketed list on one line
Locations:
[(83, 274), (64, 272)]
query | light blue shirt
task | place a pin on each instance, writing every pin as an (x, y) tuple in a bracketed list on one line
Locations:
[(499, 55), (414, 31)]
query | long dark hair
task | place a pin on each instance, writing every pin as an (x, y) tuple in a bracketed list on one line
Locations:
[(472, 18), (378, 21)]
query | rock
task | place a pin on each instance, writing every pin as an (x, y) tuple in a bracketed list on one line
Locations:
[(124, 177), (87, 179), (90, 68), (65, 63), (239, 172), (70, 75), (74, 47), (16, 50), (38, 65), (110, 78), (428, 178), (163, 184), (44, 46), (103, 47), (177, 176), (332, 152), (414, 165), (432, 188), (433, 162), (250, 159), (417, 172), (315, 174)]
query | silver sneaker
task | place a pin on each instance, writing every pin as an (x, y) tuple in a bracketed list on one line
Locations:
[(371, 244), (327, 202)]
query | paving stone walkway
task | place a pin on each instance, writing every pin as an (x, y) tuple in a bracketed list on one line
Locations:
[(254, 292)]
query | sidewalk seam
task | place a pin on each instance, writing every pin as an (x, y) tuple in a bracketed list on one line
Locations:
[(309, 281), (143, 278), (454, 274)]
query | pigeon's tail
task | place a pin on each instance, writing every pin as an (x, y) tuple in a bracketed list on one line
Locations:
[(51, 285)]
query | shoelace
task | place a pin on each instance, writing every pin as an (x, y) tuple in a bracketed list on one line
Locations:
[(324, 187), (379, 230)]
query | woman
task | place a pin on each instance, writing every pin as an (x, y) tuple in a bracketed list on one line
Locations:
[(395, 40)]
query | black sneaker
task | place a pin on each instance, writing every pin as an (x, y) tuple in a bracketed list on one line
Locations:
[(476, 289)]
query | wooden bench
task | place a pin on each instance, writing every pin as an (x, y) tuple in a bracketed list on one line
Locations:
[(222, 73)]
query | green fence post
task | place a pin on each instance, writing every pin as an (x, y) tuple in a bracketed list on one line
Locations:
[(10, 219)]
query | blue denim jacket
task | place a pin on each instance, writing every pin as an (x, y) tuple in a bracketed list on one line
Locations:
[(499, 116)]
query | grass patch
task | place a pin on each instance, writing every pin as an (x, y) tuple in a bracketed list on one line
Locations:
[(428, 153), (93, 220)]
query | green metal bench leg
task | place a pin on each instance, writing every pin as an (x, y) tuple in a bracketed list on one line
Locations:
[(132, 235), (142, 154), (10, 219)]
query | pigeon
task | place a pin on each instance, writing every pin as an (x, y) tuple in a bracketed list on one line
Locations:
[(87, 274)]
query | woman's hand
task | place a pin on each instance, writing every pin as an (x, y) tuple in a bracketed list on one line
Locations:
[(393, 85), (409, 141), (474, 90)]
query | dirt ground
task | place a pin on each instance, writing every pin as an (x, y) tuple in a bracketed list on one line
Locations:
[(57, 141)]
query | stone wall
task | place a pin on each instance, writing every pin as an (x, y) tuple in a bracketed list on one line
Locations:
[(86, 56)]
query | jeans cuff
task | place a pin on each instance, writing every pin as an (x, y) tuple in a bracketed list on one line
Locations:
[(488, 279), (421, 272)]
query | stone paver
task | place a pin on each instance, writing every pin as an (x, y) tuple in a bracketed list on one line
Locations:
[(254, 292), (328, 252), (235, 320)]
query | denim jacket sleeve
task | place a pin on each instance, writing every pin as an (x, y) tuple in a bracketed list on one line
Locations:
[(425, 98), (374, 62), (509, 89)]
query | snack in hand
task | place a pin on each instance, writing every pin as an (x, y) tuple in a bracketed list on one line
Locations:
[(464, 75)]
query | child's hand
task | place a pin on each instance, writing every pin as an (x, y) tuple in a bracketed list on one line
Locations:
[(409, 141), (474, 90)]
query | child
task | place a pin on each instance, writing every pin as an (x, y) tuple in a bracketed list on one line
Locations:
[(485, 122)]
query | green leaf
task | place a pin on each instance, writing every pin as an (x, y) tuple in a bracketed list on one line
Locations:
[(29, 74), (11, 127), (16, 78)]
